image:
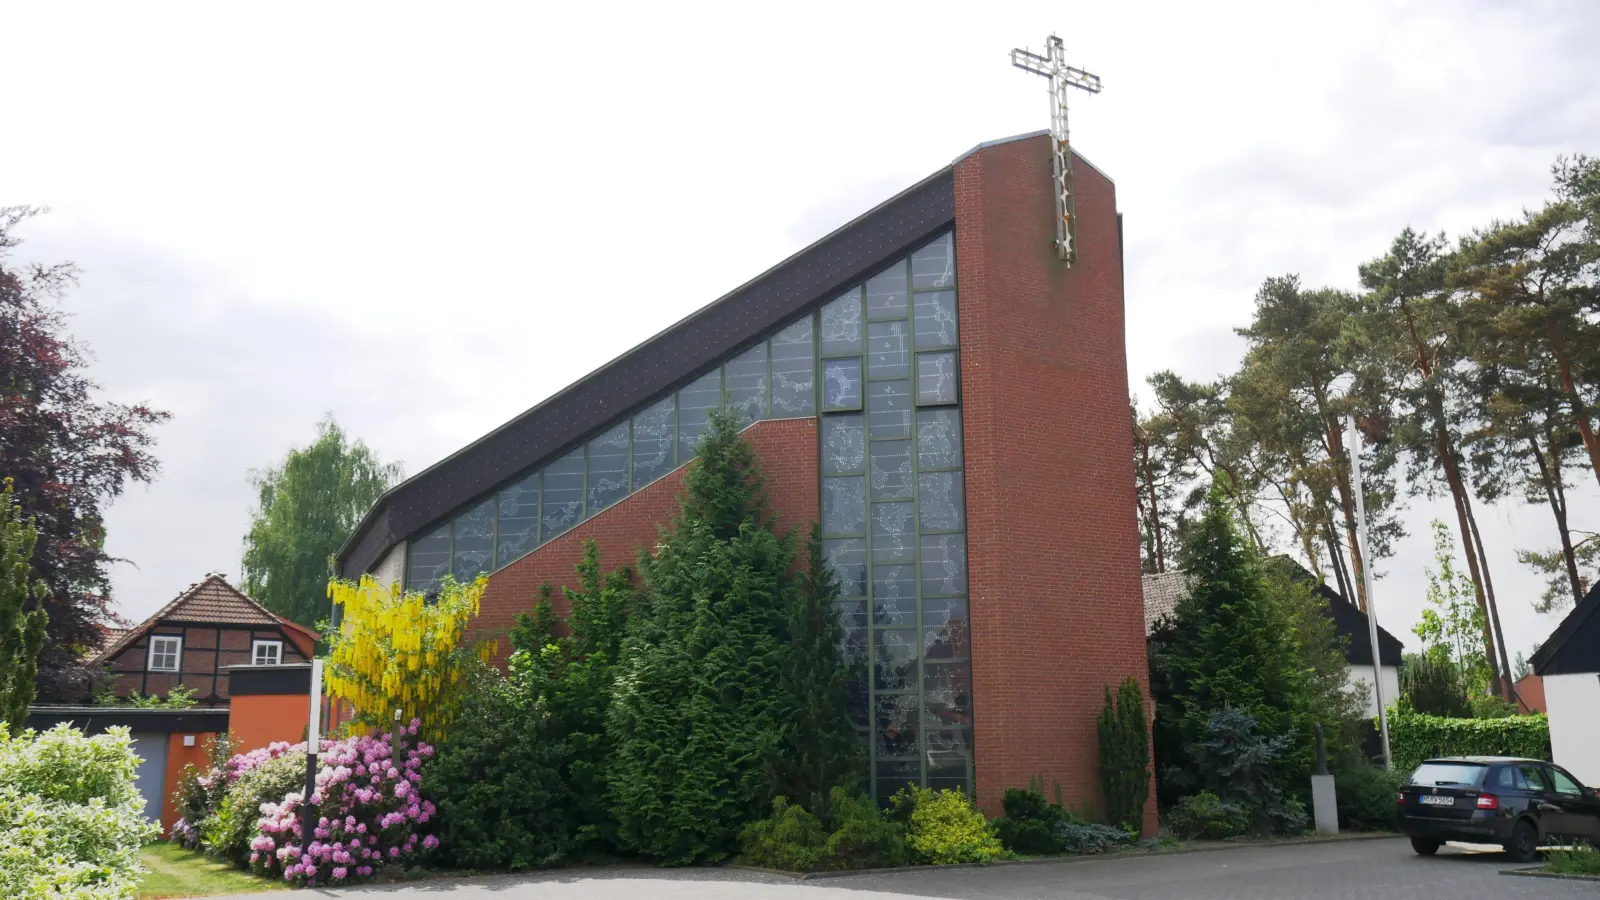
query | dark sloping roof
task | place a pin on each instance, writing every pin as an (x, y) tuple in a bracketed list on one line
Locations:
[(1574, 647), (1352, 622), (210, 601), (1163, 593), (660, 364)]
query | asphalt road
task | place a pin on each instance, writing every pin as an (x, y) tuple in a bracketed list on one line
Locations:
[(1369, 870)]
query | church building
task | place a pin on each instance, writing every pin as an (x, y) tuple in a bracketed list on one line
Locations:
[(943, 386)]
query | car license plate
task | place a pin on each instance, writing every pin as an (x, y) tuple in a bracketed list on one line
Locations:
[(1437, 800)]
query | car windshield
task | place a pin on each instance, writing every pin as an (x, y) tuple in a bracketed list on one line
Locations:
[(1448, 774)]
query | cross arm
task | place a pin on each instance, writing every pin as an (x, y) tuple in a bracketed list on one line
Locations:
[(1032, 62)]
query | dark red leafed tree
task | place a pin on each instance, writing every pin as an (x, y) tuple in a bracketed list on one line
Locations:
[(68, 452)]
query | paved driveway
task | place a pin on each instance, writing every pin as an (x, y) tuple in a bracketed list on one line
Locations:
[(1369, 870)]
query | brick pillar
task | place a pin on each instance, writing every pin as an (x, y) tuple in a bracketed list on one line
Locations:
[(1053, 545)]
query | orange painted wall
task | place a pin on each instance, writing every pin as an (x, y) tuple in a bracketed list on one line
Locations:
[(256, 720), (179, 756)]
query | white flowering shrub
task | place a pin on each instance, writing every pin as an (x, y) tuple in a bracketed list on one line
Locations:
[(71, 819)]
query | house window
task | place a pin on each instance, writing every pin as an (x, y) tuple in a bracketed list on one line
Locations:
[(166, 652), (266, 653)]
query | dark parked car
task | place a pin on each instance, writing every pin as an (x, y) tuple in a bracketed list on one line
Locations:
[(1520, 804)]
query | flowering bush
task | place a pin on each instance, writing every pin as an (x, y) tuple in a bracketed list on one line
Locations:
[(70, 817), (228, 834), (370, 813)]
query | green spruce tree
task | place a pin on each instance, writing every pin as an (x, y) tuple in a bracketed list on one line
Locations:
[(700, 694), (21, 629), (820, 749), (1230, 645)]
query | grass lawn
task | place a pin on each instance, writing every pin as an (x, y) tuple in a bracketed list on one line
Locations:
[(176, 872)]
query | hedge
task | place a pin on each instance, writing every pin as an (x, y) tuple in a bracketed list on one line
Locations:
[(1414, 737)]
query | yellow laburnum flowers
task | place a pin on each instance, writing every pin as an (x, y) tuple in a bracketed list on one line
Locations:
[(399, 651)]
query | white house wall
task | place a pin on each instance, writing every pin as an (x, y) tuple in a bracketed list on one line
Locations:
[(392, 567), (1573, 702), (1362, 675)]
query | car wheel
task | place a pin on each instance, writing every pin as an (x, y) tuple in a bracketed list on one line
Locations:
[(1524, 844), (1425, 846)]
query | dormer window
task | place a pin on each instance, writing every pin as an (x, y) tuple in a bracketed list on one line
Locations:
[(166, 653), (266, 653)]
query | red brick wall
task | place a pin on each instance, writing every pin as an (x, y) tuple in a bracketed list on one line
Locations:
[(1053, 550), (788, 451)]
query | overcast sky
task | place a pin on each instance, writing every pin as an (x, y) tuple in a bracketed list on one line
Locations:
[(425, 219)]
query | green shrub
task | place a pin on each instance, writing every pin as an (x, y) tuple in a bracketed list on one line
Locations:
[(1366, 796), (863, 837), (1582, 859), (1125, 755), (1414, 737), (790, 839), (944, 828), (856, 835), (1029, 823), (502, 802), (1243, 766), (1074, 836), (1204, 815), (71, 819), (227, 834)]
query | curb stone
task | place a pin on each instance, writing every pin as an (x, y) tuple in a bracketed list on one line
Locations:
[(1559, 876), (1066, 859)]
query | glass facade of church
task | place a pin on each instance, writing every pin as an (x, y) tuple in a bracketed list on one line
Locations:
[(879, 364)]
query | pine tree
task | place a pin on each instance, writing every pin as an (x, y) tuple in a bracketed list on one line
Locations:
[(21, 629), (820, 748), (1229, 646), (700, 693)]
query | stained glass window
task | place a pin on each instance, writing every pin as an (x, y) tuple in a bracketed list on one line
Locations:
[(940, 502), (608, 468), (473, 549), (794, 371), (889, 409), (428, 559), (886, 293), (844, 506), (938, 439), (844, 445), (654, 443), (935, 322), (841, 384), (848, 558), (936, 378), (747, 383), (518, 530), (563, 494), (934, 266), (841, 325), (695, 403), (888, 352), (891, 470)]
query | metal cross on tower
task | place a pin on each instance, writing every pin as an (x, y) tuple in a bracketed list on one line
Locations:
[(1062, 76)]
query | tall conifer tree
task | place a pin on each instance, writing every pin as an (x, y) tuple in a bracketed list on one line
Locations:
[(700, 695)]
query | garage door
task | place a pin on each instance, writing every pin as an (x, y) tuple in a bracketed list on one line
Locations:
[(152, 773)]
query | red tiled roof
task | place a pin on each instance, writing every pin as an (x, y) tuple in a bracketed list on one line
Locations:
[(211, 601)]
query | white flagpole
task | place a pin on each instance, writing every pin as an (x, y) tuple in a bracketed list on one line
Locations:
[(1354, 442)]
